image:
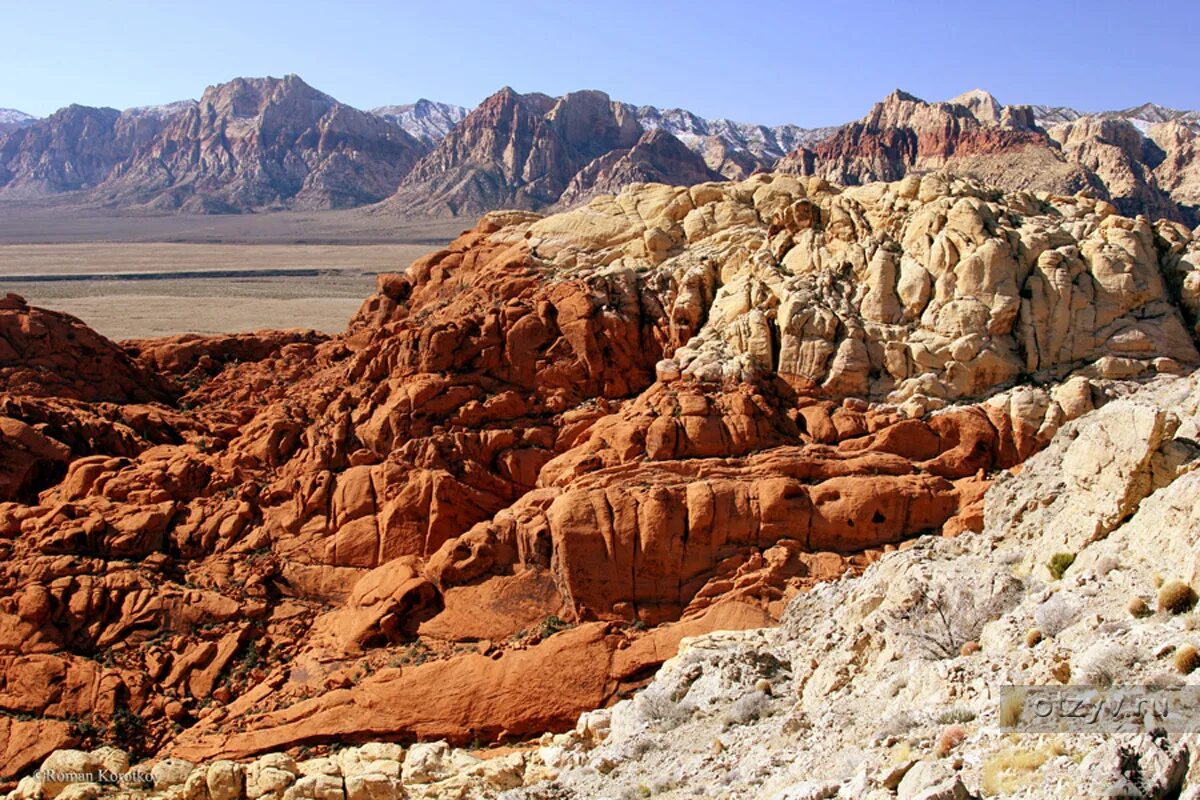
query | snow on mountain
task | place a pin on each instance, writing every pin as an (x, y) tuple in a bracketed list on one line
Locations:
[(11, 119), (161, 111), (427, 120), (1142, 117), (768, 143)]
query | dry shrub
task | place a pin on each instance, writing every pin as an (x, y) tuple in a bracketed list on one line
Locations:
[(1176, 597)]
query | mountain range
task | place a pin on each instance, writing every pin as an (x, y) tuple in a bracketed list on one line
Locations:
[(256, 144)]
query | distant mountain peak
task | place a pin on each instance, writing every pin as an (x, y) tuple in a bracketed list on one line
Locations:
[(982, 104), (427, 120), (972, 95), (12, 119), (161, 110), (901, 96)]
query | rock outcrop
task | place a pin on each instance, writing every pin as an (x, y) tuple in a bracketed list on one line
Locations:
[(541, 457), (911, 680), (903, 682)]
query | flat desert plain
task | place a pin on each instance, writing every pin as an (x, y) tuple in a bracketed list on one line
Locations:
[(208, 274)]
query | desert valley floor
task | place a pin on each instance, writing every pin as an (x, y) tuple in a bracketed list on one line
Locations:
[(139, 276)]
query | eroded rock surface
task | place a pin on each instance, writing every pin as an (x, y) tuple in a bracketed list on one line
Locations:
[(540, 458), (890, 684)]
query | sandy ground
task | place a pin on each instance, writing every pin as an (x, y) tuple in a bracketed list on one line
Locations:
[(41, 261), (126, 309), (201, 281), (138, 290), (66, 225)]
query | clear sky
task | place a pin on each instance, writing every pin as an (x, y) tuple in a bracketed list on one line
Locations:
[(811, 63)]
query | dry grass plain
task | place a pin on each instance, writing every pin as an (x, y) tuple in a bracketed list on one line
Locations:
[(131, 277)]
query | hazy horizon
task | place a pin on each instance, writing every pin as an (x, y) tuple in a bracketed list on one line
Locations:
[(825, 67)]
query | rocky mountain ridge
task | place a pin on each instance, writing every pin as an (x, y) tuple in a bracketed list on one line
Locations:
[(532, 151), (433, 158), (541, 457), (1142, 117), (734, 149), (247, 144), (974, 135)]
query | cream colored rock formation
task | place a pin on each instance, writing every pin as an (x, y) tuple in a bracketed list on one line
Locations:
[(889, 685), (922, 291)]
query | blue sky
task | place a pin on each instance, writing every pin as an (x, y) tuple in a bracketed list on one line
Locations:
[(812, 64)]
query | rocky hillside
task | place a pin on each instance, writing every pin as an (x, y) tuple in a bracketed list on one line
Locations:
[(532, 151), (247, 144), (1139, 166), (76, 148), (257, 143), (539, 459)]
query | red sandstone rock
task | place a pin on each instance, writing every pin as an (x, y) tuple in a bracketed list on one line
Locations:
[(381, 534)]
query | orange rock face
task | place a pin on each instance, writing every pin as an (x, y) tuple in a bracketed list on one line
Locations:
[(477, 513)]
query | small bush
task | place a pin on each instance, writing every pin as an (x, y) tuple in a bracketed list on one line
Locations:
[(249, 660), (748, 708), (1059, 563), (1011, 707), (1032, 637), (896, 725), (1176, 597), (86, 729), (1187, 659), (127, 730), (1104, 666), (1055, 615), (1138, 607), (956, 715), (641, 746), (945, 617), (1011, 770), (553, 624), (662, 712)]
